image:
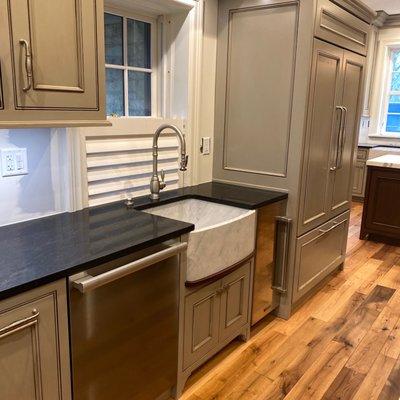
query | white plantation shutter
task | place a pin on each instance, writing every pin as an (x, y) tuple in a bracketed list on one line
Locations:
[(119, 161)]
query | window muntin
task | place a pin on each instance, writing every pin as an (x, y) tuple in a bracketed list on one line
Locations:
[(129, 66)]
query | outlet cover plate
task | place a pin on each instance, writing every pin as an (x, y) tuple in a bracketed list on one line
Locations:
[(14, 162)]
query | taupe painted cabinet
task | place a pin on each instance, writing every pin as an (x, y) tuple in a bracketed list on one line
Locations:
[(52, 56), (216, 313), (360, 173), (34, 347), (319, 252), (333, 116)]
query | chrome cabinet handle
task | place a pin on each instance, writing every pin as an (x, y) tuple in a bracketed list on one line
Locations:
[(88, 282), (342, 138), (28, 64), (335, 167), (281, 253), (335, 225), (20, 324)]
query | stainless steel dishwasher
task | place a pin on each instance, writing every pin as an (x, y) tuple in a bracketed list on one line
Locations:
[(124, 326)]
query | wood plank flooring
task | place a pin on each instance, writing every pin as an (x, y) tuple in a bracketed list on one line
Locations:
[(344, 343)]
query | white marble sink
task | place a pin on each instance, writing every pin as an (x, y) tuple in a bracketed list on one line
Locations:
[(223, 235)]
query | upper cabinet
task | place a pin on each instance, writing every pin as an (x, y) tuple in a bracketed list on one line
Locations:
[(52, 63)]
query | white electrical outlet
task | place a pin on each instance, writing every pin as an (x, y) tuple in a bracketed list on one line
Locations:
[(14, 162), (205, 145)]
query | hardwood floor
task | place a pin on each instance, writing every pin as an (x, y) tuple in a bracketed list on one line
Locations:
[(344, 343)]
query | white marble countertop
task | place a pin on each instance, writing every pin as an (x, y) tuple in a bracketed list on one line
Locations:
[(386, 161)]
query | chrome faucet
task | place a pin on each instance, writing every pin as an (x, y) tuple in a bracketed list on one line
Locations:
[(155, 183)]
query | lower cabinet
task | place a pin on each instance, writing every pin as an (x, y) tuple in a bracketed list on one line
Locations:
[(215, 313), (360, 173), (34, 346), (381, 217), (318, 253)]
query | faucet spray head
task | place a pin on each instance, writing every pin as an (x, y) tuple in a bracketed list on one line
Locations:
[(184, 162)]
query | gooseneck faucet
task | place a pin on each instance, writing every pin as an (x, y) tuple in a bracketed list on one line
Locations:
[(155, 183)]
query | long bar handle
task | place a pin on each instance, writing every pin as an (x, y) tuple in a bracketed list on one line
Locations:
[(89, 282), (335, 167), (335, 225), (28, 64), (281, 254), (342, 138), (20, 324)]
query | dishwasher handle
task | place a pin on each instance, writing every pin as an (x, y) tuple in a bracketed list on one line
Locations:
[(88, 282)]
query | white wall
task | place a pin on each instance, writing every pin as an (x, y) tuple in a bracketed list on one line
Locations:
[(43, 190)]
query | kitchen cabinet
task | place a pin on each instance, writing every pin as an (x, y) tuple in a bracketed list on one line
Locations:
[(318, 253), (34, 352), (1, 92), (360, 173), (215, 314), (333, 120), (336, 25), (381, 215), (54, 71), (302, 141)]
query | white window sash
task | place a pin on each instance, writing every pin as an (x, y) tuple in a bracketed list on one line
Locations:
[(125, 67)]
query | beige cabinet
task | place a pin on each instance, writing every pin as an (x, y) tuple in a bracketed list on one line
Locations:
[(336, 25), (1, 91), (34, 355), (318, 253), (333, 121), (201, 322), (54, 68), (234, 302), (215, 314), (360, 173)]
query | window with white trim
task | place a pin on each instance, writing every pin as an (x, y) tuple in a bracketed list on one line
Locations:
[(130, 66), (390, 114)]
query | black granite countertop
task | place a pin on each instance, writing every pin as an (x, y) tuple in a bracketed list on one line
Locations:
[(232, 195), (39, 251), (367, 145)]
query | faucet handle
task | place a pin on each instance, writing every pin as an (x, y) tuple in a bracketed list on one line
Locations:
[(162, 183)]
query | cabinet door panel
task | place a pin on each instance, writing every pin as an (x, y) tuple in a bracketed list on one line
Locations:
[(34, 361), (353, 72), (358, 179), (318, 253), (322, 128), (64, 57), (201, 323), (234, 301), (1, 91)]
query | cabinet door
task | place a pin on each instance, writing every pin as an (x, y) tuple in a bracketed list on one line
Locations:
[(358, 179), (1, 91), (54, 54), (353, 73), (318, 253), (34, 359), (234, 301), (322, 128), (201, 323)]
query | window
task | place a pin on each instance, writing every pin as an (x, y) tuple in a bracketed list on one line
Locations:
[(129, 66), (390, 121)]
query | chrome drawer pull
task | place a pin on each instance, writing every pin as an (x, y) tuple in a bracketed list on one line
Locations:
[(281, 253), (89, 282), (19, 325), (28, 64), (335, 225)]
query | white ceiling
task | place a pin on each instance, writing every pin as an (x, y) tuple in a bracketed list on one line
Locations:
[(389, 6)]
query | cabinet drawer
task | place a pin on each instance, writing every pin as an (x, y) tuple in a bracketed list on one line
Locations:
[(338, 26), (318, 253)]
